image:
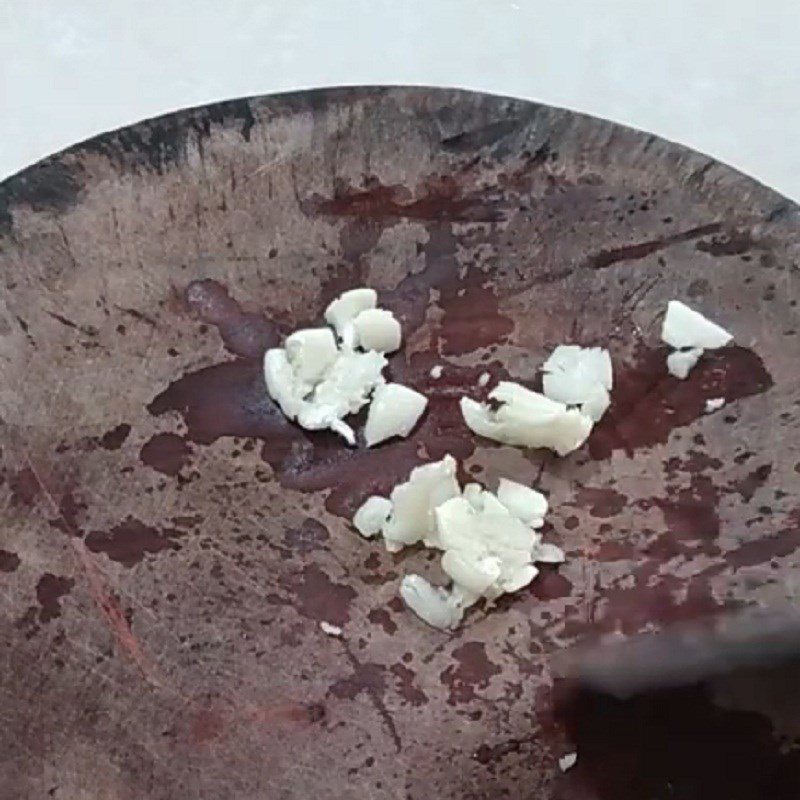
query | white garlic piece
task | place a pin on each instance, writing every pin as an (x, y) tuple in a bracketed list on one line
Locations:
[(377, 329), (394, 411)]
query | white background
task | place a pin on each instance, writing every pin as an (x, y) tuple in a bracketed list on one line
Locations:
[(722, 76)]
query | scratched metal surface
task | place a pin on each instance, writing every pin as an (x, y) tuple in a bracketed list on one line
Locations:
[(168, 545)]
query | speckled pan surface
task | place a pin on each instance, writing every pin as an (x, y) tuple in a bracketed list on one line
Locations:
[(169, 545)]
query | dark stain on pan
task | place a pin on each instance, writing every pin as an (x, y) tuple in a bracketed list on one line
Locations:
[(27, 623), (206, 725), (763, 549), (462, 329), (550, 584), (691, 512), (311, 535), (115, 438), (405, 683), (70, 509), (8, 561), (634, 252), (51, 186), (227, 399), (601, 502), (29, 486), (648, 404), (439, 202), (746, 487), (665, 601), (443, 201), (610, 550), (730, 243), (49, 591), (695, 461), (472, 671), (160, 143), (488, 755), (246, 334), (25, 487), (491, 135), (369, 678), (167, 453), (380, 616), (128, 542), (318, 597)]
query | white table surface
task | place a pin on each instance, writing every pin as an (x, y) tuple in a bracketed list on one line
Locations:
[(722, 76)]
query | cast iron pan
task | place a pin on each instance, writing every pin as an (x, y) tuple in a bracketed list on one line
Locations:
[(170, 544)]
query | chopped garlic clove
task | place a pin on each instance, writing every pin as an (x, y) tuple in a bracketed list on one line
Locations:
[(547, 553), (377, 329), (500, 533), (579, 376), (484, 378), (480, 420), (491, 505), (330, 629), (684, 327), (567, 761), (349, 336), (567, 387), (562, 432), (567, 432), (350, 381), (714, 404), (344, 430), (597, 360), (523, 502), (431, 604), (319, 384), (322, 417), (348, 306), (394, 411), (372, 515), (681, 362), (281, 384), (460, 527), (511, 560), (474, 575), (525, 400), (345, 389), (454, 521), (518, 579), (596, 404), (488, 551), (592, 363), (564, 357), (436, 372), (311, 352), (473, 494), (414, 502), (527, 419)]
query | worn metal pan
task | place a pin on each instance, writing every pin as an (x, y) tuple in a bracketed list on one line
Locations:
[(169, 545)]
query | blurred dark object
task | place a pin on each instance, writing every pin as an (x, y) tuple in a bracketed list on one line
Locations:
[(695, 713)]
